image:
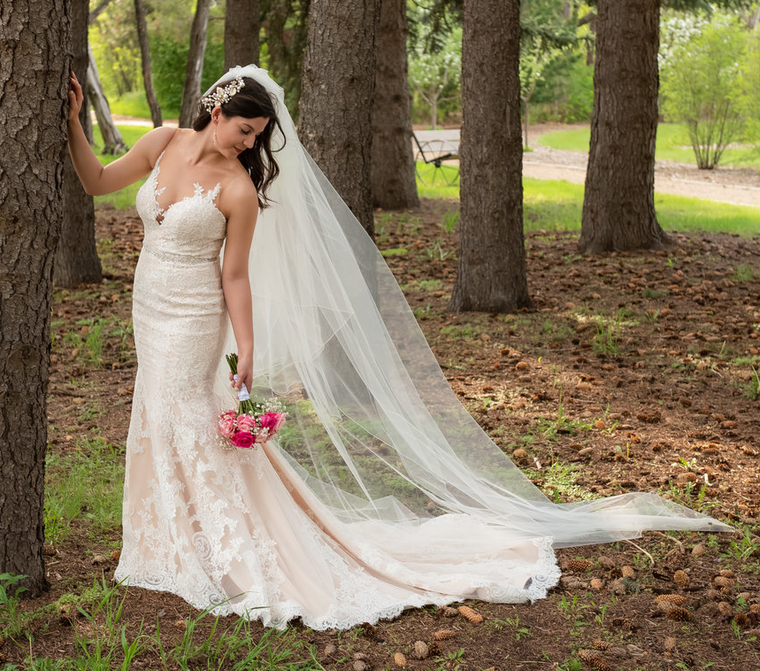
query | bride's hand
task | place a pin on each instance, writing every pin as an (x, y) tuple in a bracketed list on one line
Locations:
[(76, 98), (244, 373)]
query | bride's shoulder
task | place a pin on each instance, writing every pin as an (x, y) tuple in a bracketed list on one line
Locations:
[(155, 141), (239, 193)]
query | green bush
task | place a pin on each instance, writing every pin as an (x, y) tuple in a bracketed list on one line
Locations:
[(565, 91), (701, 88)]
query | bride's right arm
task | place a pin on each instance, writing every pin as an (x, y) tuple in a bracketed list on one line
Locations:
[(135, 164)]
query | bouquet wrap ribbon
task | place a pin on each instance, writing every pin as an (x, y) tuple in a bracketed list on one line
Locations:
[(242, 394)]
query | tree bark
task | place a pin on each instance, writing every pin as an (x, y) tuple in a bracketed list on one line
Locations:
[(241, 32), (618, 207), (491, 272), (394, 185), (338, 85), (147, 70), (191, 91), (113, 143), (32, 149), (76, 258)]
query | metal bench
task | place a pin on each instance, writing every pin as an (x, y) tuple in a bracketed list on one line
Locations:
[(438, 148)]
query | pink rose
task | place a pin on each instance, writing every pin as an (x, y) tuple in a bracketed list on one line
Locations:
[(227, 426), (242, 439), (272, 421), (246, 423)]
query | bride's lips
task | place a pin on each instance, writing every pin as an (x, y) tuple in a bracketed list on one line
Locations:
[(239, 151)]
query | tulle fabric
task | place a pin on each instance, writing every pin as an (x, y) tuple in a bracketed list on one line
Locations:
[(381, 435)]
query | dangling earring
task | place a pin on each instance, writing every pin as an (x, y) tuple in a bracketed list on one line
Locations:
[(214, 135)]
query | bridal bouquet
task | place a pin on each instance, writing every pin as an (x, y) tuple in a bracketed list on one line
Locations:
[(254, 421)]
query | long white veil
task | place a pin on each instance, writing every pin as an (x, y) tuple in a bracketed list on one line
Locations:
[(375, 429)]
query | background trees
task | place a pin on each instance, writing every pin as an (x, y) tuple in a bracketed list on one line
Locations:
[(76, 259), (338, 86), (618, 207), (491, 273)]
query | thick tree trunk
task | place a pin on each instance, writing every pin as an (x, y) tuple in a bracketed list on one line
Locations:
[(32, 149), (336, 98), (191, 91), (394, 185), (76, 258), (113, 143), (147, 69), (491, 274), (241, 32), (618, 207)]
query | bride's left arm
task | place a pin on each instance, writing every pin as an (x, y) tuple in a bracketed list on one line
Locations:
[(241, 222)]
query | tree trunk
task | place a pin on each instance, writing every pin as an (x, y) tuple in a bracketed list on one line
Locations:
[(147, 70), (113, 143), (491, 273), (32, 149), (394, 185), (338, 85), (76, 259), (241, 32), (618, 207), (191, 91)]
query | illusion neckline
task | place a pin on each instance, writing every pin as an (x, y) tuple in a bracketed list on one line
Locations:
[(158, 211)]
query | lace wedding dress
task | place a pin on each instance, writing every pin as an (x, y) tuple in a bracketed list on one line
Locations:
[(240, 530)]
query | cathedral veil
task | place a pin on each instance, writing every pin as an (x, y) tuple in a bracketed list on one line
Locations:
[(374, 428)]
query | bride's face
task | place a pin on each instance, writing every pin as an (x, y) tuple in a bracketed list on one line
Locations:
[(236, 134)]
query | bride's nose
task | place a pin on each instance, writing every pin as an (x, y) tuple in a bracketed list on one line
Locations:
[(249, 141)]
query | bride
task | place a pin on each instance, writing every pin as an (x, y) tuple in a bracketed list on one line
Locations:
[(381, 492)]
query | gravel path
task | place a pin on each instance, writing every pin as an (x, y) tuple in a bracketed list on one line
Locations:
[(738, 186)]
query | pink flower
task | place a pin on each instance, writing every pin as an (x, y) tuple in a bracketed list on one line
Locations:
[(227, 425), (246, 423), (272, 421), (242, 439)]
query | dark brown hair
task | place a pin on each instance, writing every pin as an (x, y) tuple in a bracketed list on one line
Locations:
[(253, 101)]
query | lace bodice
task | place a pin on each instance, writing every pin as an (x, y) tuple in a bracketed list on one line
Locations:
[(192, 227)]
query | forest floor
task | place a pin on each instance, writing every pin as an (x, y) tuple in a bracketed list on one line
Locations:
[(630, 372)]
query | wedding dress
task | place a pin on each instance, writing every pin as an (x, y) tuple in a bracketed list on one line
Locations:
[(381, 492)]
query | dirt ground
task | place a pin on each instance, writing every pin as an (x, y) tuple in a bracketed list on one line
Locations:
[(629, 372)]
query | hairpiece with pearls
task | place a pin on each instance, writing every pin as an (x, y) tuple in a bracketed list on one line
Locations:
[(221, 94)]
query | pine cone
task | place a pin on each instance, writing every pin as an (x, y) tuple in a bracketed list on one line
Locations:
[(469, 614), (742, 620), (678, 614), (754, 608), (421, 650), (448, 611), (599, 644), (597, 583), (628, 572), (727, 573), (722, 581), (725, 608), (443, 634), (399, 659), (606, 563), (675, 599), (579, 565), (681, 578), (594, 660)]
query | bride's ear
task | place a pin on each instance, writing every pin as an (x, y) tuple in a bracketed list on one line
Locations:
[(216, 113)]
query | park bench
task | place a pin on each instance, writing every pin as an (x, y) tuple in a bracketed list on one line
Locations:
[(439, 148)]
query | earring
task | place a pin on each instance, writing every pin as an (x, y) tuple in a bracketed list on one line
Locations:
[(214, 135)]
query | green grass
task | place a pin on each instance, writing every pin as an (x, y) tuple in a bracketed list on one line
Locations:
[(554, 205), (672, 145), (85, 482)]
